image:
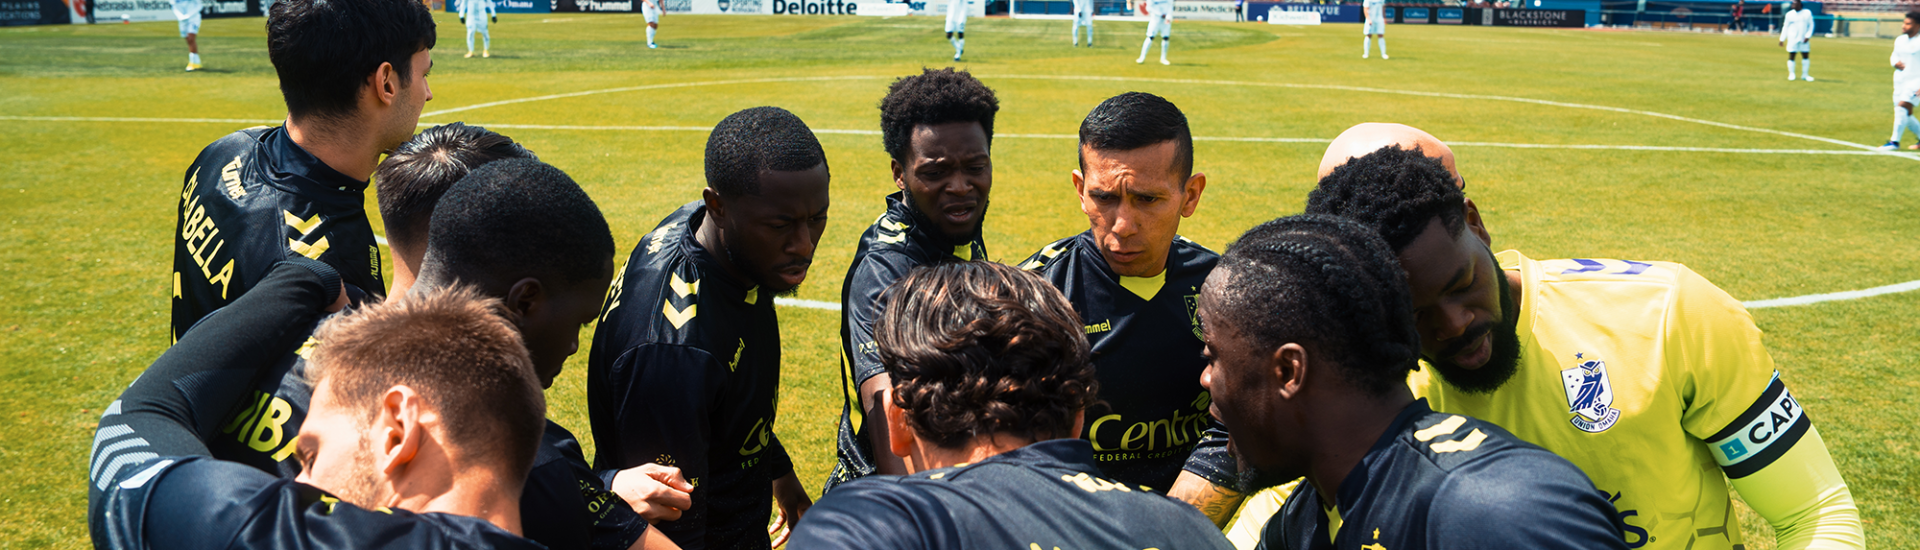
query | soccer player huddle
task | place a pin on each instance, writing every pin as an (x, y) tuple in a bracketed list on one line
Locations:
[(1366, 374)]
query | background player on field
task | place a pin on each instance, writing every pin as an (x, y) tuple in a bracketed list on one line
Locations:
[(1796, 33), (1132, 279), (938, 128), (1906, 80), (1644, 374), (353, 91), (1375, 26), (650, 9), (1310, 337), (1160, 20), (188, 12), (957, 26), (385, 466), (685, 368), (1083, 19), (476, 13), (991, 380)]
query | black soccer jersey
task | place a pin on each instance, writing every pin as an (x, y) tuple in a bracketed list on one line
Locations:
[(564, 505), (900, 240), (1152, 420), (199, 503), (1437, 480), (1045, 495), (247, 199), (685, 371)]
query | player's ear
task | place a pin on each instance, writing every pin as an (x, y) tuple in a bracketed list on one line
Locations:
[(716, 207), (525, 299), (1289, 367), (398, 427), (899, 175), (1079, 183), (1195, 185), (899, 436), (386, 83), (1474, 224)]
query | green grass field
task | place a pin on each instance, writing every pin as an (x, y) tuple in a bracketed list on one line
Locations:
[(88, 204)]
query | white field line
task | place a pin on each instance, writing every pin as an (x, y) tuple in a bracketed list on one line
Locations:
[(851, 131), (1908, 286), (648, 87)]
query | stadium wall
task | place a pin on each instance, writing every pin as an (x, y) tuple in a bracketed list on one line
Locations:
[(1553, 13)]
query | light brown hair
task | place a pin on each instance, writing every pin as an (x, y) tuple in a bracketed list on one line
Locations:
[(455, 348)]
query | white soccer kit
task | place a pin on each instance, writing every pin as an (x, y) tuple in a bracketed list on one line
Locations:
[(957, 16), (1797, 30), (1083, 12), (476, 13), (1376, 22), (650, 12), (1906, 82), (1159, 18), (188, 12)]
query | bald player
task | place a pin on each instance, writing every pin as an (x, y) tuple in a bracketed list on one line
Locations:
[(1626, 368), (1368, 137)]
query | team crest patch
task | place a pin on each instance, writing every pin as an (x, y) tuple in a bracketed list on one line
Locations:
[(1193, 316), (1589, 395)]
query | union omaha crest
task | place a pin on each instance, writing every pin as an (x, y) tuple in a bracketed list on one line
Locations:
[(1589, 395)]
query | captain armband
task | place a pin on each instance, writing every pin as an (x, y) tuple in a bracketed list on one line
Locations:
[(1763, 433)]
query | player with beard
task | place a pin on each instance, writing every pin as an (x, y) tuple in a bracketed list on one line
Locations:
[(685, 368), (1310, 336), (1647, 376), (1132, 278), (551, 280), (992, 378), (938, 127), (353, 75), (384, 468)]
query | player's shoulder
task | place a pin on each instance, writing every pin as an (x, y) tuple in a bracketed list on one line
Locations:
[(1054, 254), (656, 294), (228, 167), (1186, 255), (1597, 271), (1457, 444)]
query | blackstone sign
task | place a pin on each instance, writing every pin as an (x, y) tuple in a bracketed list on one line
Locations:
[(1535, 18)]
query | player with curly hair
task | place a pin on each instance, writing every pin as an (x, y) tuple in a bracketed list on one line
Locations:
[(991, 378), (938, 127), (1310, 336)]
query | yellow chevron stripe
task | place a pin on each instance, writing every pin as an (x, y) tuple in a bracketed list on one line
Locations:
[(304, 226)]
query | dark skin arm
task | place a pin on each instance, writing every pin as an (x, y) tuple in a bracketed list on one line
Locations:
[(873, 394), (1218, 503)]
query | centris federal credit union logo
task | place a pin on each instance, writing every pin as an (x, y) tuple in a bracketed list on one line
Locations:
[(822, 7)]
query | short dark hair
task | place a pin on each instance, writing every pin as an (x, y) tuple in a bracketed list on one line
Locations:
[(1137, 119), (414, 176), (930, 98), (453, 346), (516, 218), (1914, 15), (977, 348), (323, 50), (756, 140), (1329, 284), (1396, 191)]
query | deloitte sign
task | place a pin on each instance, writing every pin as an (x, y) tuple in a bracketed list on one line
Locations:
[(823, 7)]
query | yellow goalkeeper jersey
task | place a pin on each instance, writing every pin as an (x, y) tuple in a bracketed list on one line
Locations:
[(1650, 379)]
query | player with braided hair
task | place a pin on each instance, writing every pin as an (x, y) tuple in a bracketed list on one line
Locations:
[(1646, 375), (1310, 336), (990, 379)]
